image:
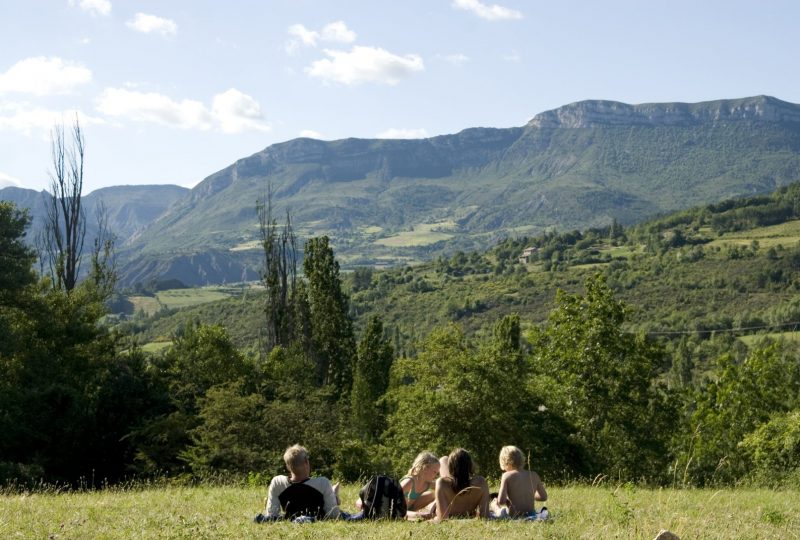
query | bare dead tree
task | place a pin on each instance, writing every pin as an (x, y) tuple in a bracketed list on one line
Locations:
[(280, 272), (65, 227)]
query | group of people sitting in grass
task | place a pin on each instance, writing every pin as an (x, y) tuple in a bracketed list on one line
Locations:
[(434, 488)]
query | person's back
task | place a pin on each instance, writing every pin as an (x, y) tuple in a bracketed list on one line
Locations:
[(461, 494), (522, 489), (519, 487), (297, 463)]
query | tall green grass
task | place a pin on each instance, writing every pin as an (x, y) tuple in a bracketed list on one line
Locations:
[(227, 512)]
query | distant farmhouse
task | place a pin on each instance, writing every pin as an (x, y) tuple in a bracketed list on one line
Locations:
[(525, 258)]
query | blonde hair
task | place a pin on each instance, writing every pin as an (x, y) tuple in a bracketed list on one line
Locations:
[(422, 460), (295, 456), (511, 456)]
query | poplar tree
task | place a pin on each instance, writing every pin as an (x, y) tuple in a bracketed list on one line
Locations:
[(332, 337), (375, 355)]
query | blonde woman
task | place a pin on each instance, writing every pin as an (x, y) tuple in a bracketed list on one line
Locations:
[(418, 485)]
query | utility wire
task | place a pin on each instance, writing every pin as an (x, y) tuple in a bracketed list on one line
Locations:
[(718, 330)]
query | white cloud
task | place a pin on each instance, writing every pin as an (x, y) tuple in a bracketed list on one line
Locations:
[(455, 59), (155, 108), (43, 76), (365, 64), (236, 112), (142, 22), (95, 7), (338, 32), (232, 111), (311, 134), (332, 32), (401, 133), (490, 13), (6, 180), (513, 56), (26, 119), (304, 35)]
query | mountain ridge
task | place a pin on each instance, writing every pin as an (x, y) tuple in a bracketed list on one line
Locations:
[(590, 113), (580, 165), (129, 208), (396, 201)]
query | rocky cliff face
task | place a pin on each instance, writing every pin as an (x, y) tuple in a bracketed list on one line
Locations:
[(584, 114)]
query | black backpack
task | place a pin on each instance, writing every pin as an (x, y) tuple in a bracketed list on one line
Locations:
[(383, 498)]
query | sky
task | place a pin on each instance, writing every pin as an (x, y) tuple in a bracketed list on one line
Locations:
[(169, 92)]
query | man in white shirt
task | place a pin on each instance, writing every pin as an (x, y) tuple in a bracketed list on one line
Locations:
[(296, 459)]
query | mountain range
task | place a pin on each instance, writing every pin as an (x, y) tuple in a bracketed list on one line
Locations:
[(386, 202), (129, 209)]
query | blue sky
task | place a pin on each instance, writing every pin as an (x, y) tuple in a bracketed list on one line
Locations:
[(171, 91)]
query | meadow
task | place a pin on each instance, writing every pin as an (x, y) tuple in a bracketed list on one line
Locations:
[(182, 298), (227, 512)]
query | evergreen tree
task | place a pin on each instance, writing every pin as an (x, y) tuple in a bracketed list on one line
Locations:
[(16, 259)]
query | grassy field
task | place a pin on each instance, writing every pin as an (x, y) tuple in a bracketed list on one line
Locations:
[(422, 235), (155, 346), (147, 304), (755, 338), (179, 298), (786, 234), (227, 512)]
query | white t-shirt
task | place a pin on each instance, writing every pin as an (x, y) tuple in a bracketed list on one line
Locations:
[(320, 483)]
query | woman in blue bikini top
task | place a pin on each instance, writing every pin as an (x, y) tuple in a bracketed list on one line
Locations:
[(418, 484)]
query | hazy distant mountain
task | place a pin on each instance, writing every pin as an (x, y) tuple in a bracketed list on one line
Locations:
[(389, 201), (129, 208), (132, 208)]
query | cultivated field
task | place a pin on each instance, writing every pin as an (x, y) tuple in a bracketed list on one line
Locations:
[(227, 512), (422, 234), (181, 298), (786, 234)]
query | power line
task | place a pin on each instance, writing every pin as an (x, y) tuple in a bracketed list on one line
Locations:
[(719, 330)]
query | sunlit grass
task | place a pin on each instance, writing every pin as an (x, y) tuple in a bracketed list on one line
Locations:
[(147, 304), (755, 338), (155, 346), (423, 234), (179, 298), (227, 512), (786, 234)]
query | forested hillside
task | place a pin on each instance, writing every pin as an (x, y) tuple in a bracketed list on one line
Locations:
[(719, 267)]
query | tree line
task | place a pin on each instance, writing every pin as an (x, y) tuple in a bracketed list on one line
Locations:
[(581, 395)]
